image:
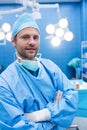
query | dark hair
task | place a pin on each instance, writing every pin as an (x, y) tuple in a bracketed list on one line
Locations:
[(15, 37)]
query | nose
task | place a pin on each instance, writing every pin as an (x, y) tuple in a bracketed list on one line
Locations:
[(31, 40)]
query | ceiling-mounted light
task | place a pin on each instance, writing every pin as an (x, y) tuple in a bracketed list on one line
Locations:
[(68, 36), (35, 10), (50, 29), (63, 23), (55, 41), (2, 35), (6, 27), (5, 33), (36, 14), (59, 32), (8, 36)]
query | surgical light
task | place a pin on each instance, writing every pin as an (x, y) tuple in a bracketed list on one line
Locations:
[(59, 32), (55, 41), (68, 36), (2, 35), (63, 23), (35, 10), (50, 29), (8, 36), (5, 33), (36, 14), (6, 27)]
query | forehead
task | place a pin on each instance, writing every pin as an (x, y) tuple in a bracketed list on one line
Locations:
[(29, 30)]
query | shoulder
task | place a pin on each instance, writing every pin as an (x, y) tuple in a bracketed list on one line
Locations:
[(9, 72), (46, 61), (49, 64)]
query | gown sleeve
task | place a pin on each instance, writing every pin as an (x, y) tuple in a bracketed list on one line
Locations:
[(11, 114), (63, 111)]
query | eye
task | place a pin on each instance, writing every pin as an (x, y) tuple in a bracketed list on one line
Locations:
[(25, 37), (36, 37)]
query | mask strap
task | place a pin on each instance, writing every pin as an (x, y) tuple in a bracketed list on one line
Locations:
[(18, 58)]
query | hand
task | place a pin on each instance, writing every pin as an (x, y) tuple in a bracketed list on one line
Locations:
[(58, 96)]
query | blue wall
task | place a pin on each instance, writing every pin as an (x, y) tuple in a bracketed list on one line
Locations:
[(67, 50)]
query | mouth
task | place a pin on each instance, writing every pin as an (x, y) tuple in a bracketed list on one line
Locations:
[(30, 50)]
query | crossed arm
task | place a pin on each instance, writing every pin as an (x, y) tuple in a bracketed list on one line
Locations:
[(44, 114)]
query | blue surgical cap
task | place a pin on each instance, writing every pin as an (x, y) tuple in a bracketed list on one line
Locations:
[(25, 20)]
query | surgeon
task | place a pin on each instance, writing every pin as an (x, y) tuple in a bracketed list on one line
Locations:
[(34, 93)]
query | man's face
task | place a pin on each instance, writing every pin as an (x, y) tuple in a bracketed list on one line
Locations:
[(27, 43)]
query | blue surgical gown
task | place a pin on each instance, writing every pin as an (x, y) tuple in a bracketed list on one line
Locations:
[(21, 92)]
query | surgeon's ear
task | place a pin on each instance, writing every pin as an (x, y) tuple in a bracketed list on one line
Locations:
[(13, 41)]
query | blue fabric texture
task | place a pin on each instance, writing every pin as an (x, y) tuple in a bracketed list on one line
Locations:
[(25, 20), (21, 92)]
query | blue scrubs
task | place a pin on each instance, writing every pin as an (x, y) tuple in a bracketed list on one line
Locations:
[(21, 92)]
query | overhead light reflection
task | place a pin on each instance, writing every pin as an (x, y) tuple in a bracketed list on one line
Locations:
[(63, 23), (2, 35), (59, 32), (5, 33), (50, 29), (55, 41), (36, 14), (68, 36), (6, 27), (8, 36)]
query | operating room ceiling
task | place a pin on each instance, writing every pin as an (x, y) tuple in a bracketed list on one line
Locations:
[(40, 1)]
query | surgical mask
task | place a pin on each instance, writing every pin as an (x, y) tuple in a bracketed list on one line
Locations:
[(30, 65)]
